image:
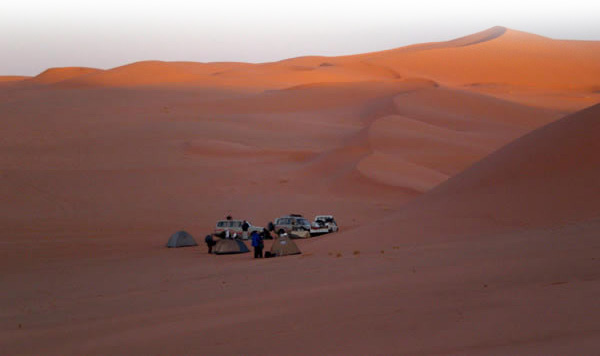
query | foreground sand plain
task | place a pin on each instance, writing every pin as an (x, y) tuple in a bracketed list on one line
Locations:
[(436, 255)]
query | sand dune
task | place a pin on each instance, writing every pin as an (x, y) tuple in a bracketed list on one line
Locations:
[(462, 173), (12, 78), (490, 57), (547, 178), (543, 180), (55, 75)]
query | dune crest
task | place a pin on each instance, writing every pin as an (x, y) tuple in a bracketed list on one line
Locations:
[(55, 75), (12, 78)]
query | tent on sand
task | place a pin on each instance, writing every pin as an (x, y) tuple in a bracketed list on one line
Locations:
[(283, 245), (181, 239), (229, 246)]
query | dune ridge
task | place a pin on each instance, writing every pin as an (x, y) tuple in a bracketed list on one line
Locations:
[(56, 75), (12, 78)]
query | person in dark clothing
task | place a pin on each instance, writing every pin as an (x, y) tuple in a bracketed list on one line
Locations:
[(271, 227), (258, 244), (265, 234), (245, 227), (210, 242)]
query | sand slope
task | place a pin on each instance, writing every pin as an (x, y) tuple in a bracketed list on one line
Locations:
[(543, 180), (55, 75), (546, 178)]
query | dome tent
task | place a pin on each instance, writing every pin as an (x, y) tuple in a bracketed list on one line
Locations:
[(181, 239), (283, 246), (229, 246)]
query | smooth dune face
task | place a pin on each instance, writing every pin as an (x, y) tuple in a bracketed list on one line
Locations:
[(462, 175), (12, 78), (546, 178), (56, 75)]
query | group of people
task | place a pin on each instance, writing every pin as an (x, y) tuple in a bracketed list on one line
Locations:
[(256, 237)]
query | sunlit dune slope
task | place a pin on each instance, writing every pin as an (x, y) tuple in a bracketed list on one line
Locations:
[(56, 75), (157, 72), (500, 56), (497, 60), (275, 75), (12, 78)]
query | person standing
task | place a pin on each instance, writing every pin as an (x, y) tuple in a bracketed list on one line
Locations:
[(266, 235), (245, 227), (258, 244), (210, 242)]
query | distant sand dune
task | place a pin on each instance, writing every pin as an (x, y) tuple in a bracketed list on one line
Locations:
[(12, 78), (490, 57), (55, 75)]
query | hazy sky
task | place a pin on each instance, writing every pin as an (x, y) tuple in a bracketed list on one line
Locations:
[(36, 35)]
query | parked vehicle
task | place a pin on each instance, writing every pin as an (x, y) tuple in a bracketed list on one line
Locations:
[(234, 226), (294, 225), (323, 224)]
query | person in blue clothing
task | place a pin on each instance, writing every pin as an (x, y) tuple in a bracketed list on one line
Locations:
[(258, 244)]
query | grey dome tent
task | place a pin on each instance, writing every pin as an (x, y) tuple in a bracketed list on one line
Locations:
[(283, 246), (181, 239), (229, 246)]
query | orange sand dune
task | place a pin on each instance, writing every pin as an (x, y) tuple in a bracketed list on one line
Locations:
[(157, 72), (509, 64), (55, 75), (441, 249), (12, 78), (500, 56)]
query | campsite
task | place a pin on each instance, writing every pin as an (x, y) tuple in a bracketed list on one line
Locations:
[(461, 174)]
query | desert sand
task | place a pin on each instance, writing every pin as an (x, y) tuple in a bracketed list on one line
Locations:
[(463, 175)]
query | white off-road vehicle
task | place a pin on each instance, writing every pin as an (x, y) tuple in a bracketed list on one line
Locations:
[(323, 224), (294, 225)]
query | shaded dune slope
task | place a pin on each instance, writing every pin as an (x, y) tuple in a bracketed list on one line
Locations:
[(544, 180), (433, 133)]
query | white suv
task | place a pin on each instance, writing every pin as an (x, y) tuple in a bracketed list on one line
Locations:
[(234, 226), (323, 224), (293, 224)]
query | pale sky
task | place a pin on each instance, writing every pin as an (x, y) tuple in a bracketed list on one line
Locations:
[(36, 35)]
